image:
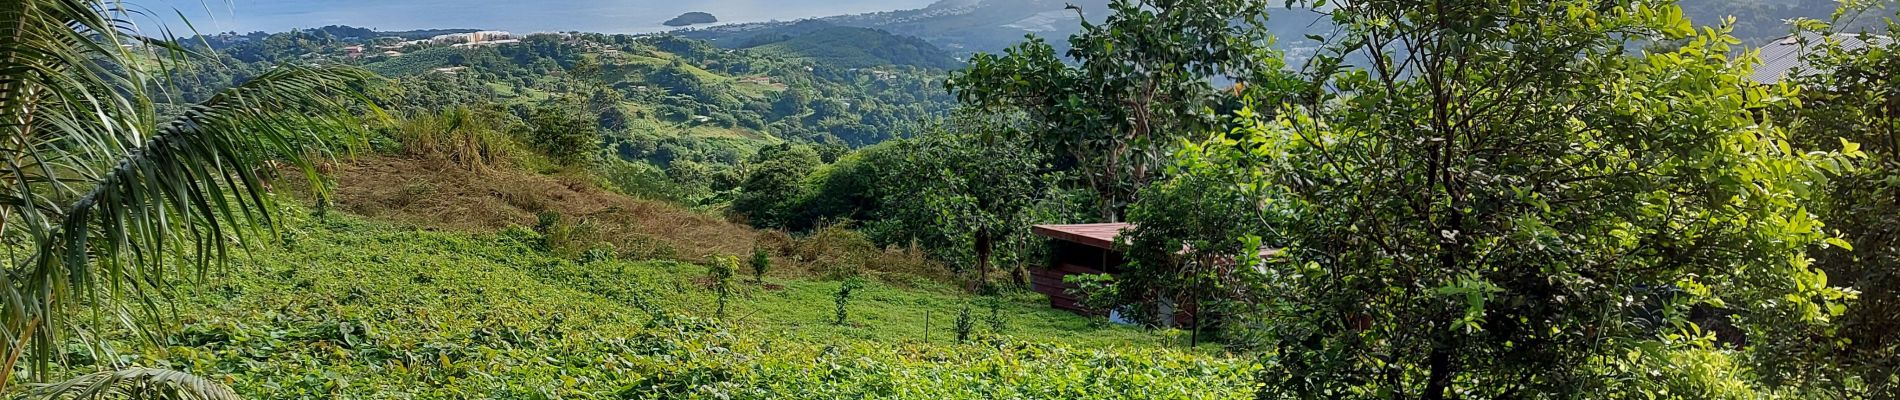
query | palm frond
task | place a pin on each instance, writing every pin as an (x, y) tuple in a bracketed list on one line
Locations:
[(101, 196), (134, 383)]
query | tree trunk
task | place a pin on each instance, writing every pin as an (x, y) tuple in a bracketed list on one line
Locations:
[(985, 246), (1439, 379)]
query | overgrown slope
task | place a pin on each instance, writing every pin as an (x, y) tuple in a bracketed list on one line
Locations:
[(433, 194), (348, 308)]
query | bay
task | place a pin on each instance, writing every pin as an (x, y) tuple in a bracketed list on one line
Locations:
[(607, 16)]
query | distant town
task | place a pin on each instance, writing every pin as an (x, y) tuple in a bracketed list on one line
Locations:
[(458, 40)]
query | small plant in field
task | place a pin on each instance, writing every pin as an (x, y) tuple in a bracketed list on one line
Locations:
[(721, 269), (844, 298), (996, 319), (965, 324), (548, 224), (563, 237), (600, 252), (761, 262)]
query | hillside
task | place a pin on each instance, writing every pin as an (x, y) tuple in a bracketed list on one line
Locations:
[(964, 27), (444, 305), (427, 194), (348, 308), (858, 48)]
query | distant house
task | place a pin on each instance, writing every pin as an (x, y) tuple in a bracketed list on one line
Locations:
[(1084, 249), (1089, 249), (1783, 58)]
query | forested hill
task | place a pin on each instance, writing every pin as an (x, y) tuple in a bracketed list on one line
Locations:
[(851, 47), (965, 27)]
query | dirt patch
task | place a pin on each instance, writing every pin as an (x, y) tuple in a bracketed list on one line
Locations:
[(439, 195)]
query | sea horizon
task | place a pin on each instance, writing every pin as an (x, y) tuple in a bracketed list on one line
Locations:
[(603, 16)]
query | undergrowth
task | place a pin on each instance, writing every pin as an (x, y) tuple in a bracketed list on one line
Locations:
[(345, 308)]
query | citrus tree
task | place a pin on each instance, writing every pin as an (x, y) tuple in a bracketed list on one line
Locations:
[(1140, 81), (1506, 199), (1851, 91)]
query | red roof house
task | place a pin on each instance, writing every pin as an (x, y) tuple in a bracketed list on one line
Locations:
[(1078, 250), (1087, 249)]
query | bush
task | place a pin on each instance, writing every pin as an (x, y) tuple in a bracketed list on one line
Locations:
[(566, 136), (965, 324), (720, 271), (844, 298), (469, 138), (760, 263)]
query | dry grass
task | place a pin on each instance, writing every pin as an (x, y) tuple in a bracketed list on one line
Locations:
[(437, 194)]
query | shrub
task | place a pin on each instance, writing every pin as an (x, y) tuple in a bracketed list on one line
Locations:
[(996, 319), (564, 135), (760, 263), (965, 324), (720, 270), (564, 239), (844, 298), (468, 138)]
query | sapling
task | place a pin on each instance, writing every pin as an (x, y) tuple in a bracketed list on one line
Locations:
[(721, 269), (996, 319), (965, 324), (844, 297), (760, 263)]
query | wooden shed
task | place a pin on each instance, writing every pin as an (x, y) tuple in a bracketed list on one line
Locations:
[(1077, 250)]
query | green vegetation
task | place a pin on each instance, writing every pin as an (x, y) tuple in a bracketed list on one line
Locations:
[(1469, 199), (856, 48), (1852, 109), (692, 18), (349, 308), (105, 192)]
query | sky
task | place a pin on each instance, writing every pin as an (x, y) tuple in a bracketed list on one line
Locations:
[(608, 16)]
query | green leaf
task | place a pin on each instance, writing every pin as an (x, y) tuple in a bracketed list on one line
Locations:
[(1841, 243)]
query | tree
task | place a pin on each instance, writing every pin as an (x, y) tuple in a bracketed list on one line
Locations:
[(969, 185), (768, 195), (565, 135), (1497, 199), (1186, 251), (1850, 101), (1139, 82), (101, 195)]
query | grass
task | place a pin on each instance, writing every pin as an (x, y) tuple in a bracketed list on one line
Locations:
[(349, 308), (804, 309), (440, 294)]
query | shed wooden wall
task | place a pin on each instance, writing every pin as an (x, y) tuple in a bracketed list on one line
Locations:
[(1071, 259)]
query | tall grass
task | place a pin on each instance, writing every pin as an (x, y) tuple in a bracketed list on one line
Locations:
[(474, 139)]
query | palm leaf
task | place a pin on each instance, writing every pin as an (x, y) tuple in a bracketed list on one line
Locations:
[(135, 383), (96, 197)]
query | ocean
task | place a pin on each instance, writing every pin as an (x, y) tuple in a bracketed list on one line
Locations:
[(608, 16)]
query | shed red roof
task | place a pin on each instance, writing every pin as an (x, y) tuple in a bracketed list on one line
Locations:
[(1101, 236)]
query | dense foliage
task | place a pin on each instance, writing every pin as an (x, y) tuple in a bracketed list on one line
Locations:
[(104, 190), (1482, 199), (1141, 81), (1851, 102)]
